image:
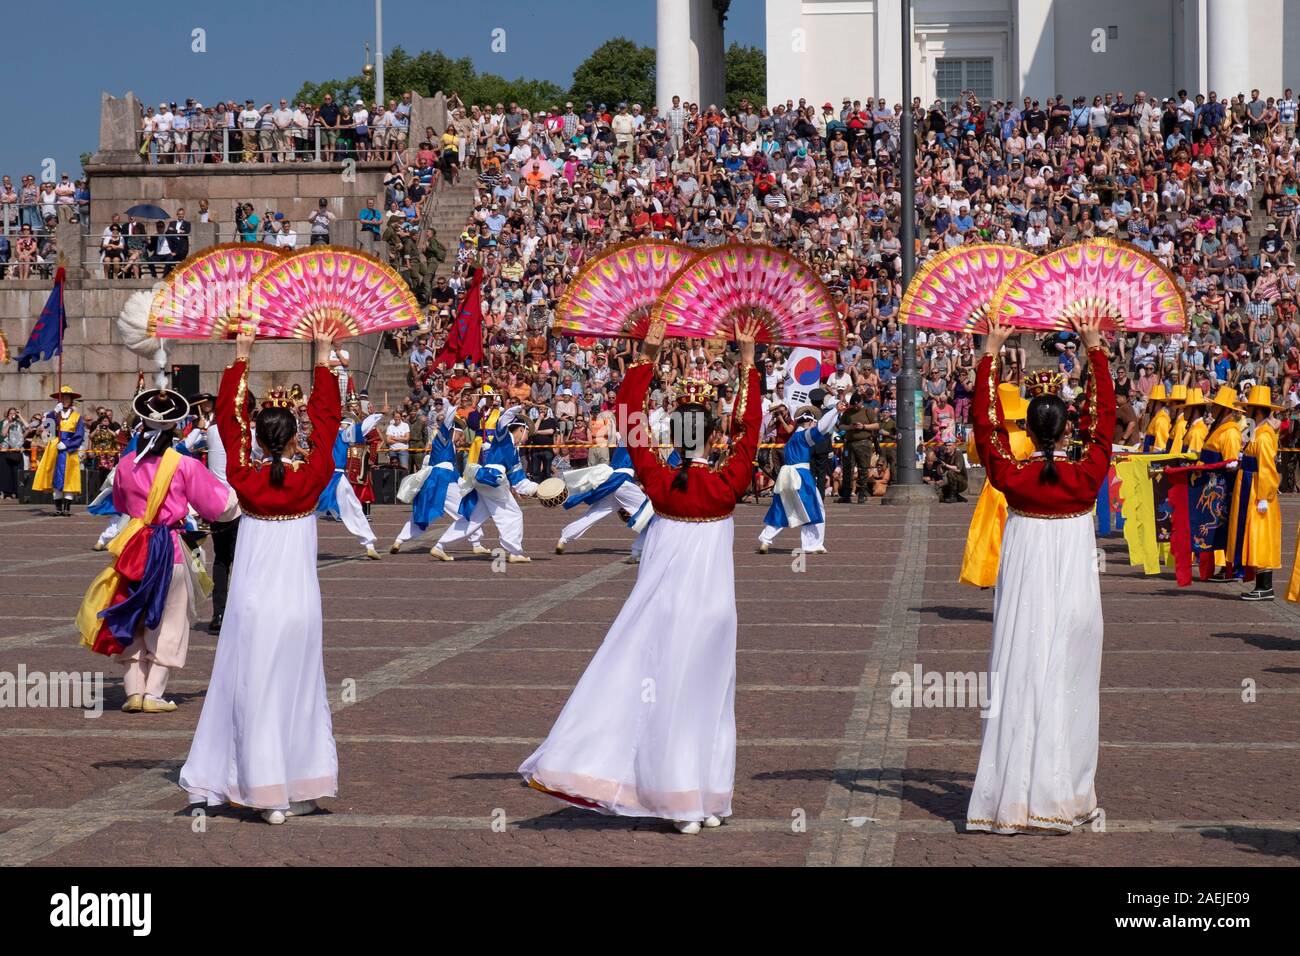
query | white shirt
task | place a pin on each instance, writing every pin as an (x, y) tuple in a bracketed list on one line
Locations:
[(398, 435), (216, 455)]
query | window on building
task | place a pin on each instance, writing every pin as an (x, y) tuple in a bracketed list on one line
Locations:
[(953, 76)]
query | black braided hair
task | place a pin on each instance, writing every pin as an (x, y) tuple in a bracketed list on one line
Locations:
[(1045, 421), (276, 427), (690, 421)]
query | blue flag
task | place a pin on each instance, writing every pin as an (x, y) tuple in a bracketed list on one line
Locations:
[(46, 340)]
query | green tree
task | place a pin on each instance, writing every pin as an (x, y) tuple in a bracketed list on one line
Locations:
[(429, 72), (746, 75), (618, 71)]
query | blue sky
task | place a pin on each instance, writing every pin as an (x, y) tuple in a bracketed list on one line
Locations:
[(56, 66)]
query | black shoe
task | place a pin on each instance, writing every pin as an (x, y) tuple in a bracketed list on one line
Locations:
[(214, 625), (961, 498), (1258, 595)]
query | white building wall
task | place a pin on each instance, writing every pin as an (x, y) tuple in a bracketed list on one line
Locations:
[(840, 58), (1267, 44), (1140, 57), (827, 49)]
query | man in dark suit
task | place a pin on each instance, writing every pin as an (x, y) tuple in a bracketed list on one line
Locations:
[(179, 236)]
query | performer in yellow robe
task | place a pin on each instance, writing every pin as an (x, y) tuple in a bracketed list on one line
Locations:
[(1156, 438), (488, 416), (1223, 444), (979, 565), (1194, 415), (60, 469), (1177, 398), (1255, 524)]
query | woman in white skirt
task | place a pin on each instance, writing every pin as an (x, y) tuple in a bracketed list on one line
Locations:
[(1038, 754), (650, 729), (265, 738)]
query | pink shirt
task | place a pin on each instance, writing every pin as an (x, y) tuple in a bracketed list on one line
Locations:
[(192, 484)]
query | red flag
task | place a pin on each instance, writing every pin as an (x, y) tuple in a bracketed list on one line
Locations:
[(465, 338)]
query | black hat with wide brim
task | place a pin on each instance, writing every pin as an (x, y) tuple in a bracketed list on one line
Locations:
[(161, 407)]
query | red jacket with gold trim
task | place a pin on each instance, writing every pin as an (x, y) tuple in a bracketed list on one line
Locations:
[(711, 492), (305, 480), (1075, 492)]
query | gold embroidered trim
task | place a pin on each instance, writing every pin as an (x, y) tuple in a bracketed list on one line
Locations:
[(1030, 514), (661, 514), (1022, 827), (241, 413), (1092, 399), (279, 517), (995, 416), (737, 415)]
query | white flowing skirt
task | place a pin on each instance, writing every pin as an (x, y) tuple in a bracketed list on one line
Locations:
[(650, 729), (265, 736), (1038, 754)]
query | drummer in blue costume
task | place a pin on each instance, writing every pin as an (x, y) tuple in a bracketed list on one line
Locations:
[(487, 492), (795, 501), (604, 489), (338, 502), (434, 490)]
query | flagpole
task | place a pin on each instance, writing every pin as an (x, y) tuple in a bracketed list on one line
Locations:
[(63, 321)]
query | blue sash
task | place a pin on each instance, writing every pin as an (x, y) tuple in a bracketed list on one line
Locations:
[(145, 602), (1209, 503), (1249, 466)]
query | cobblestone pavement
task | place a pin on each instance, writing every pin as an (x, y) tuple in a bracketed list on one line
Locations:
[(444, 676)]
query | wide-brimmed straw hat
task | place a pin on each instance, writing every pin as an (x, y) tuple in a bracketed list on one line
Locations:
[(66, 392), (1195, 398), (1260, 396), (1225, 397)]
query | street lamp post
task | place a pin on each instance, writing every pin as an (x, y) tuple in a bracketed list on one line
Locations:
[(906, 486), (379, 52)]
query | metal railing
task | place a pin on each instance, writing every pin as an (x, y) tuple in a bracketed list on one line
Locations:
[(315, 144), (13, 216)]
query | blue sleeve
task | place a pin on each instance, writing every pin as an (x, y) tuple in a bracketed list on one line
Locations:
[(74, 441)]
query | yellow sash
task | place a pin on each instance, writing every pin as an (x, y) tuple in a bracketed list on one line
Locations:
[(100, 593)]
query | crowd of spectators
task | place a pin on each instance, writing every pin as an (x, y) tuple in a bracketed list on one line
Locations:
[(286, 132), (30, 212), (1206, 184)]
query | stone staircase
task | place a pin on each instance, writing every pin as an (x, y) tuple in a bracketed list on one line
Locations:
[(447, 210)]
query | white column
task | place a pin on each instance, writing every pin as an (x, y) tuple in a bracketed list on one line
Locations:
[(889, 52), (711, 49), (1035, 50), (785, 51), (1227, 48), (673, 53)]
